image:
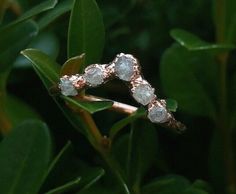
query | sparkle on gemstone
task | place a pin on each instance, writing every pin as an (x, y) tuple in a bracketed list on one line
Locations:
[(124, 68), (143, 94), (158, 114), (66, 86), (94, 76)]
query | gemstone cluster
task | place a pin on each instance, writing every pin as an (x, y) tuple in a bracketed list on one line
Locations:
[(126, 68)]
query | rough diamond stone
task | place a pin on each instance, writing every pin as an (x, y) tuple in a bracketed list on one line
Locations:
[(143, 94), (158, 114), (124, 68), (66, 86), (93, 76)]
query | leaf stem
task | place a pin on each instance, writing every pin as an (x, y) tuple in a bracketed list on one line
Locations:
[(97, 141)]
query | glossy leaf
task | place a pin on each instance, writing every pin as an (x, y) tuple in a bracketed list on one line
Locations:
[(72, 65), (65, 187), (11, 44), (192, 42), (44, 64), (86, 31), (142, 151), (44, 6), (91, 107), (124, 122), (26, 148), (48, 71), (61, 8), (190, 79)]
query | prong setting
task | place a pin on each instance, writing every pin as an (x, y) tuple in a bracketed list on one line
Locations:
[(127, 68)]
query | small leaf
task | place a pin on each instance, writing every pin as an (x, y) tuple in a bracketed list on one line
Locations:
[(65, 187), (190, 79), (61, 8), (26, 148), (192, 42), (86, 31), (124, 122), (48, 71), (72, 65), (91, 107), (11, 44), (171, 105)]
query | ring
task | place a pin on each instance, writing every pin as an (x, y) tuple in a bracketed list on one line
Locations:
[(126, 68)]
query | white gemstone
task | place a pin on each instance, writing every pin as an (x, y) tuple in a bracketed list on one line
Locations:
[(124, 68), (143, 94), (94, 76), (158, 114), (66, 86)]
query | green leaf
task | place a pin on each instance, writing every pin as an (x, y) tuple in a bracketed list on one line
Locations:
[(61, 8), (11, 44), (72, 65), (43, 64), (124, 122), (91, 107), (24, 158), (44, 6), (171, 105), (143, 137), (194, 43), (169, 184), (86, 31), (190, 78), (48, 71), (65, 187)]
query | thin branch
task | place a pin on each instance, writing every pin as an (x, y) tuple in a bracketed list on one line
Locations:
[(117, 106)]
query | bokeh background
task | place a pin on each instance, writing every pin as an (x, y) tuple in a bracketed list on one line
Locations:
[(141, 28)]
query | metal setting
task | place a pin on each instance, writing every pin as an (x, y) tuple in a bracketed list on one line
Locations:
[(126, 68)]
